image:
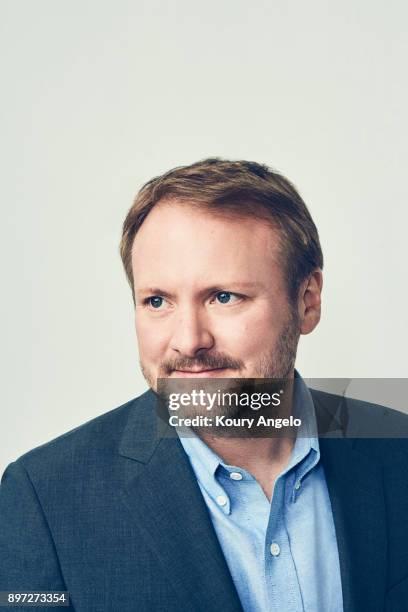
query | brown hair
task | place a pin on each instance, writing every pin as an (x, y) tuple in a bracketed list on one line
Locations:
[(243, 189)]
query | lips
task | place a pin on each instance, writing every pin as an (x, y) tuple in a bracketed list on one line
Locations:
[(198, 373)]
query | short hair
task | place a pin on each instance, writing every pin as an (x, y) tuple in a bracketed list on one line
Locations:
[(239, 189)]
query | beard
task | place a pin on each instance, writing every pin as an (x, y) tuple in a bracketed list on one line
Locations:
[(276, 365), (280, 361)]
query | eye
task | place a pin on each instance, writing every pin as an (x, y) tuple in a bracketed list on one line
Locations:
[(155, 301), (226, 297)]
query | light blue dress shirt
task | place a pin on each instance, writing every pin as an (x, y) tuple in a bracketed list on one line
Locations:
[(282, 555)]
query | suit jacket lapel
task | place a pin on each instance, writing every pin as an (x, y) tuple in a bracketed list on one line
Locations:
[(166, 503), (355, 483)]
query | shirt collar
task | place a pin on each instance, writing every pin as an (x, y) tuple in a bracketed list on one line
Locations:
[(205, 461)]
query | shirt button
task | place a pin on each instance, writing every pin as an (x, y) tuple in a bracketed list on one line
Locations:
[(222, 500), (275, 549), (298, 485), (236, 476)]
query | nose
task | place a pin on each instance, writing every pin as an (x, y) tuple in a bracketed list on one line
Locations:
[(191, 333)]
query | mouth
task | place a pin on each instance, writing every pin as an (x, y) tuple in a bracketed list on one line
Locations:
[(210, 373)]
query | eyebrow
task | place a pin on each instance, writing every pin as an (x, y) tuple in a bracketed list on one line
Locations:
[(233, 286), (145, 291)]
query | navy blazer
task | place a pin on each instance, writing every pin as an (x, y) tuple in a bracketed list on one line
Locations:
[(113, 514)]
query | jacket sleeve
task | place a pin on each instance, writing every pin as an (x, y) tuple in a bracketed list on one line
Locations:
[(28, 559)]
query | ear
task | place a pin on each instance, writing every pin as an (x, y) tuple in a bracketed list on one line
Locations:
[(309, 303)]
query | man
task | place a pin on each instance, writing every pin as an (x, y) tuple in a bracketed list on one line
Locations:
[(225, 267)]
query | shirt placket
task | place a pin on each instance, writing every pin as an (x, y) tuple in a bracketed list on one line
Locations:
[(280, 572)]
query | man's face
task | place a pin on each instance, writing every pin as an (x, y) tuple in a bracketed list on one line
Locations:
[(211, 300)]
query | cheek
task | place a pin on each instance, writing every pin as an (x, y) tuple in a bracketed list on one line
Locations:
[(255, 331)]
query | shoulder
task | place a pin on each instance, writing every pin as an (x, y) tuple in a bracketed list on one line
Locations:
[(374, 429), (358, 408), (95, 441)]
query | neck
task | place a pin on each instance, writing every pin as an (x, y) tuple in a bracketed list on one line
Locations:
[(263, 457)]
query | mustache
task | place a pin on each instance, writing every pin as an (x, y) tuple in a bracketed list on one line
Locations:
[(204, 361)]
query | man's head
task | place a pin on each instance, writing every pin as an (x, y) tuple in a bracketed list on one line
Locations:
[(225, 264)]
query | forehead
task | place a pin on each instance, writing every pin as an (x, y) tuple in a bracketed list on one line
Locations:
[(179, 244)]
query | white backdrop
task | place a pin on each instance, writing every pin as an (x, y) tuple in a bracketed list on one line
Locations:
[(99, 96)]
